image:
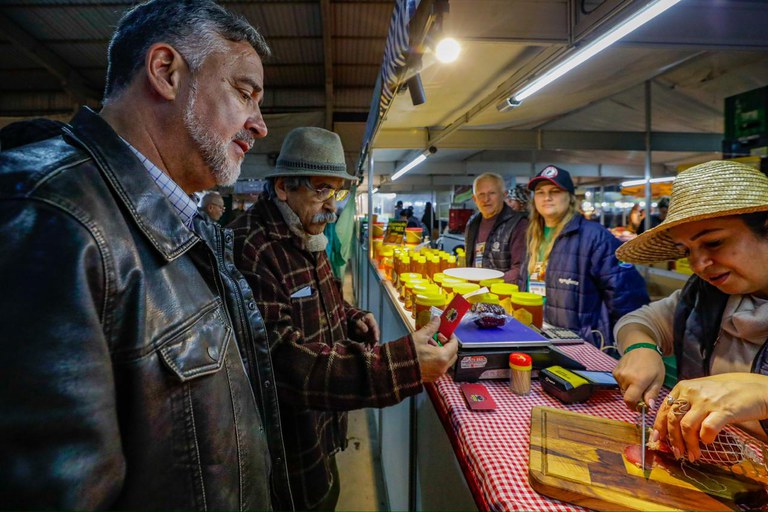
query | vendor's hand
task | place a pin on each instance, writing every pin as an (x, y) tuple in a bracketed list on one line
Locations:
[(433, 359), (366, 328), (713, 402), (640, 375)]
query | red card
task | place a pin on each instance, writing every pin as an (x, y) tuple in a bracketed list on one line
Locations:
[(453, 314), (477, 396)]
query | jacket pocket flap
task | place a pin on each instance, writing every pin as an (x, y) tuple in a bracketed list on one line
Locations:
[(199, 348)]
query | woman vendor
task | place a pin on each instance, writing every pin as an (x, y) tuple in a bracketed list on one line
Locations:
[(717, 325)]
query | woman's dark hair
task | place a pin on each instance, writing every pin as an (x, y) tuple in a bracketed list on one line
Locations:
[(757, 223)]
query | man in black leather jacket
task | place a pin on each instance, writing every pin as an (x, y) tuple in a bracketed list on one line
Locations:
[(129, 337)]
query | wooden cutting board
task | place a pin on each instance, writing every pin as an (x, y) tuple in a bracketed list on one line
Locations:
[(578, 459)]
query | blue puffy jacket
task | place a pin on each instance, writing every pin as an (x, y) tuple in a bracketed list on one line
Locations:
[(587, 287)]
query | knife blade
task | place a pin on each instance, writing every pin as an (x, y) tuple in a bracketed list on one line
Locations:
[(642, 408)]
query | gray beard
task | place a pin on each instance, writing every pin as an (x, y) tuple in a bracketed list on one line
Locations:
[(212, 148), (308, 242)]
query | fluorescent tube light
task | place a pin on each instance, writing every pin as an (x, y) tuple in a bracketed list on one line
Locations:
[(413, 163), (632, 183), (590, 50)]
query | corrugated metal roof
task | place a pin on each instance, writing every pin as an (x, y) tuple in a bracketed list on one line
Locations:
[(68, 23)]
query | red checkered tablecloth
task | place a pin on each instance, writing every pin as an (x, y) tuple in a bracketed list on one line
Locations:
[(493, 446)]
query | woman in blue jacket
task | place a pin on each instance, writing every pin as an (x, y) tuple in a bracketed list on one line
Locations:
[(571, 261)]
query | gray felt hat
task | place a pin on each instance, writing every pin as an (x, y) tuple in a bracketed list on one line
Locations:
[(311, 151)]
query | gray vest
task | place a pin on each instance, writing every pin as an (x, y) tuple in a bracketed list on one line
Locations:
[(496, 254)]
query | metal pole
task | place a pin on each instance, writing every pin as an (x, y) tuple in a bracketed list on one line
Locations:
[(647, 155)]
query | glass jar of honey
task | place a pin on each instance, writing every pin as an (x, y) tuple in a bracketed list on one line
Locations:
[(505, 291), (462, 288), (386, 262), (528, 308), (404, 278), (425, 288), (423, 306), (433, 266), (408, 292), (491, 282), (486, 298)]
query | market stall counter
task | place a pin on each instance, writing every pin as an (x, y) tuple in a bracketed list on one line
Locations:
[(437, 454)]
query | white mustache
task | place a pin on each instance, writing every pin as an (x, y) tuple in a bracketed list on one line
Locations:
[(324, 218)]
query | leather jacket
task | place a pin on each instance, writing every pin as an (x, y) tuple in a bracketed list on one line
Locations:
[(126, 380)]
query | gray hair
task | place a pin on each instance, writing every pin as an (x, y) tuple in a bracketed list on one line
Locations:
[(209, 197), (290, 182), (488, 176), (195, 28)]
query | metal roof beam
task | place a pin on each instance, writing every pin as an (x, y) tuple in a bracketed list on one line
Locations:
[(72, 82), (326, 14), (549, 139)]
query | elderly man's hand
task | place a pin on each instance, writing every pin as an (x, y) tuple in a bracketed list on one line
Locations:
[(433, 359), (366, 328)]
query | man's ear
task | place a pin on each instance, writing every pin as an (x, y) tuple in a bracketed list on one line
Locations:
[(280, 191), (165, 68)]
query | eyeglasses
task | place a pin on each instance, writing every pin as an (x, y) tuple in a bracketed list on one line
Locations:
[(223, 208), (325, 193)]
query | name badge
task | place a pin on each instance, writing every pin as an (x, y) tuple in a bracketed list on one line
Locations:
[(538, 287)]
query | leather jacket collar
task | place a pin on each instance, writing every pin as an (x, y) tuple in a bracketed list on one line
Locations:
[(133, 186)]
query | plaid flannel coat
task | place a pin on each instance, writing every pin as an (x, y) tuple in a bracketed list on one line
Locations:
[(320, 370)]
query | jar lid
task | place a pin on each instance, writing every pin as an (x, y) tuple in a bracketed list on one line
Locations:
[(527, 299), (487, 298), (438, 277), (414, 282), (430, 299), (520, 361), (491, 282), (504, 288), (425, 287), (462, 288), (409, 276)]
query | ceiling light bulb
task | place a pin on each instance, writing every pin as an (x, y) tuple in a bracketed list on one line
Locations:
[(448, 50)]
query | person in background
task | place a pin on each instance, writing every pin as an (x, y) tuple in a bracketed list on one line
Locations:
[(571, 262), (495, 236), (656, 219), (716, 326), (212, 206), (411, 219), (398, 210), (517, 198), (124, 317), (326, 353), (635, 219), (429, 221)]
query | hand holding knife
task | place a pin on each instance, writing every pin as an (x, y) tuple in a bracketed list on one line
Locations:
[(643, 409)]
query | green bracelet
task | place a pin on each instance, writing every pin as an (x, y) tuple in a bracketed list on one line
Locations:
[(643, 345)]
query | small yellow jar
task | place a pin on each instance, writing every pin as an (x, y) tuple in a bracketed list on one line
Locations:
[(487, 298), (528, 306), (408, 292), (462, 288), (491, 282), (505, 291), (423, 306)]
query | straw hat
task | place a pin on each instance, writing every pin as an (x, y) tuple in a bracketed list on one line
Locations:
[(311, 151), (713, 189)]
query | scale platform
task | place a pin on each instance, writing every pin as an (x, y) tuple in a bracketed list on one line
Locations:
[(484, 353)]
